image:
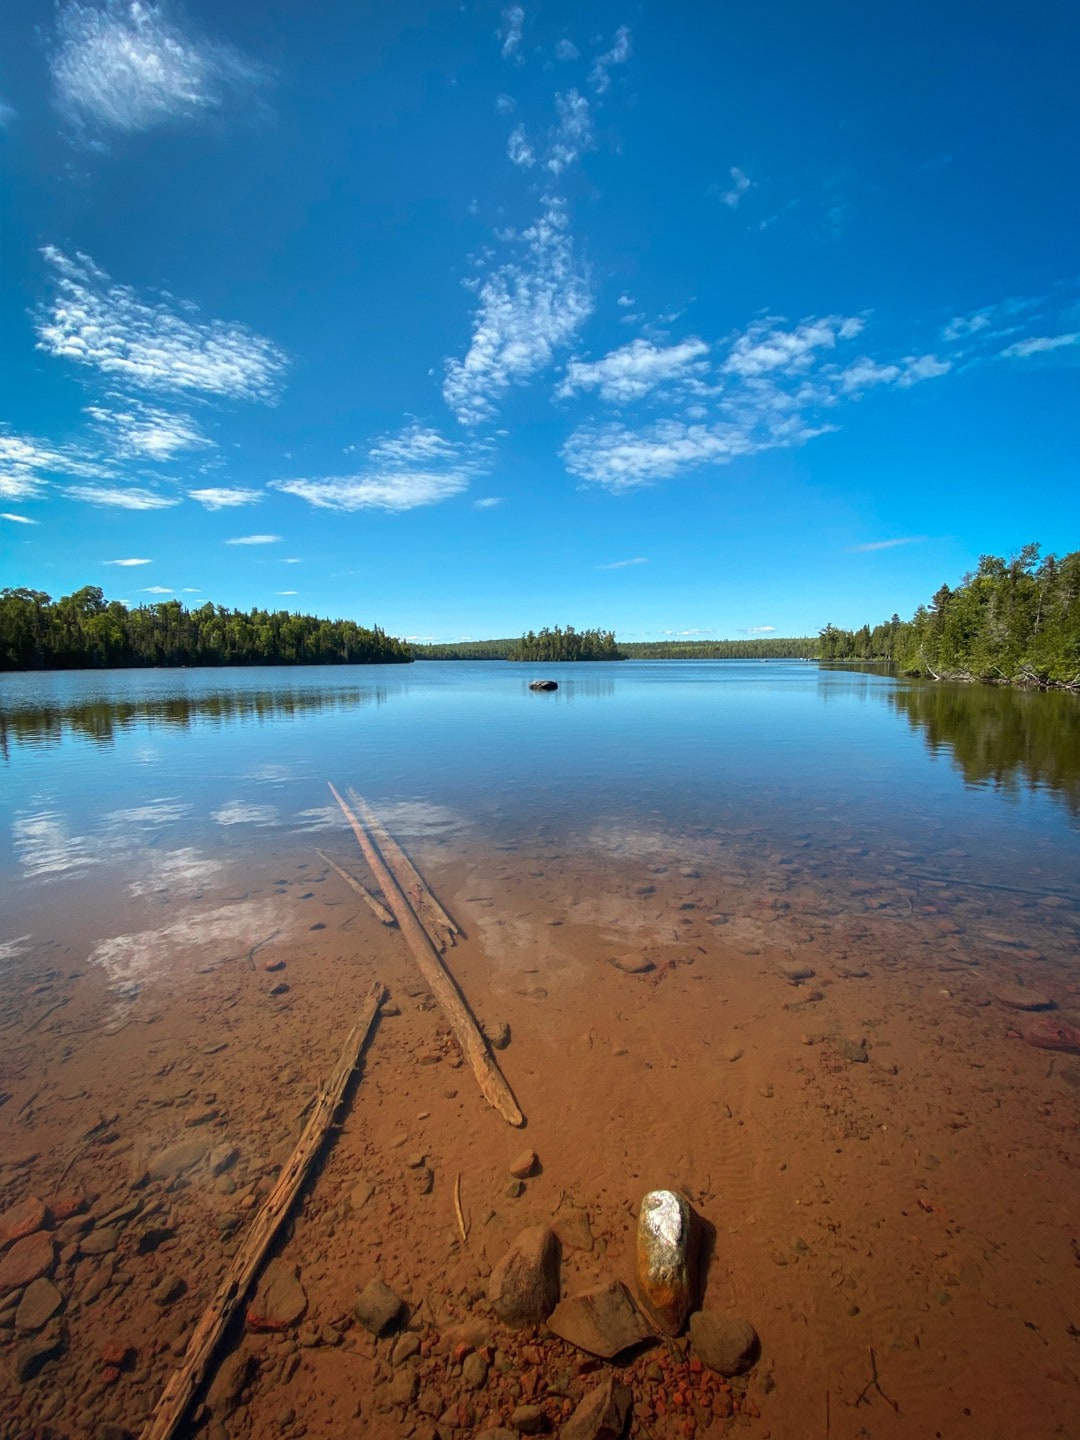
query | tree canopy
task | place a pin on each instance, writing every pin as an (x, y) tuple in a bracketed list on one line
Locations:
[(1012, 620), (568, 644), (84, 631)]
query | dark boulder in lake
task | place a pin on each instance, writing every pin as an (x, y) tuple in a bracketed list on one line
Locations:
[(543, 684)]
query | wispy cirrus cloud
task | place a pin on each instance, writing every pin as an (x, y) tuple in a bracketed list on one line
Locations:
[(27, 464), (159, 345), (623, 564), (527, 309), (634, 370), (621, 458), (254, 540), (767, 347), (487, 502), (872, 545), (118, 497), (127, 564), (740, 184), (417, 466), (7, 115), (138, 431), (510, 32), (619, 54), (128, 65), (223, 497), (1039, 345), (17, 519), (157, 590)]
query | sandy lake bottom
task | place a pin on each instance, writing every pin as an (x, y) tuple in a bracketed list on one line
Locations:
[(888, 1172)]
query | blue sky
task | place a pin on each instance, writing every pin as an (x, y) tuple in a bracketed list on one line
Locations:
[(461, 319)]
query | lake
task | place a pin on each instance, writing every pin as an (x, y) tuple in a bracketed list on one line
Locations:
[(778, 934)]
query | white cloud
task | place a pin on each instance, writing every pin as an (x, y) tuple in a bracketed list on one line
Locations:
[(128, 562), (740, 184), (254, 540), (160, 346), (761, 630), (291, 560), (626, 301), (620, 459), (962, 326), (886, 544), (224, 498), (513, 21), (286, 592), (158, 590), (25, 462), (566, 50), (572, 133), (922, 367), (765, 347), (130, 498), (528, 308), (505, 104), (1039, 345), (7, 115), (518, 148), (634, 370), (139, 431), (863, 373), (17, 519), (622, 564), (417, 466), (124, 65), (619, 54), (487, 502)]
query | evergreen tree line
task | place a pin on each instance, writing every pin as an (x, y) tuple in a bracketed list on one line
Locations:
[(84, 631), (1015, 621), (568, 644), (763, 647)]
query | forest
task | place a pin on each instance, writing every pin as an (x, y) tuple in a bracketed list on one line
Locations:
[(568, 644), (1011, 621), (85, 631)]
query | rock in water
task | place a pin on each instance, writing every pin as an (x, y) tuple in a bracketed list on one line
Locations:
[(667, 1242), (1046, 1033), (543, 684), (604, 1320), (602, 1414), (524, 1286), (1019, 997), (378, 1307), (727, 1344), (280, 1299)]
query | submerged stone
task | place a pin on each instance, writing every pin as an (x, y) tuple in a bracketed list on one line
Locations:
[(667, 1244)]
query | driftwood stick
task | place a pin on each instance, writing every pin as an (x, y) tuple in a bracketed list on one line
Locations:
[(182, 1384), (441, 983), (462, 1227), (375, 906), (405, 872)]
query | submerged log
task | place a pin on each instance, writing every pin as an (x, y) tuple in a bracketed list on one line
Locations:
[(183, 1383), (441, 983)]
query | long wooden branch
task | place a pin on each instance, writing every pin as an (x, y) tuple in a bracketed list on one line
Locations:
[(405, 872), (490, 1078), (183, 1383), (376, 906)]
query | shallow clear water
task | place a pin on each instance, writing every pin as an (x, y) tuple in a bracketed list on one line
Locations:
[(163, 773)]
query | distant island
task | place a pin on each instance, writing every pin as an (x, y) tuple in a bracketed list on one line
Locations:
[(1011, 621)]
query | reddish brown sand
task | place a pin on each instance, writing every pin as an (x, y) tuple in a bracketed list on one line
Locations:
[(919, 1211)]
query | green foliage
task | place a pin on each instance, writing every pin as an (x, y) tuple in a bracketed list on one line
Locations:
[(465, 650), (568, 644), (1013, 620), (83, 631), (763, 647)]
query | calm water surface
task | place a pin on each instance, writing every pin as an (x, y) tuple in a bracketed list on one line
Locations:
[(159, 773)]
